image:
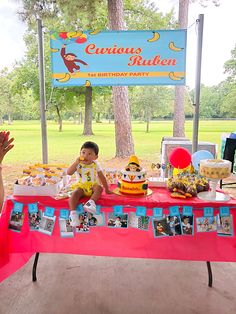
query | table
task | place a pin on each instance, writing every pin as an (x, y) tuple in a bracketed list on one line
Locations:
[(118, 242)]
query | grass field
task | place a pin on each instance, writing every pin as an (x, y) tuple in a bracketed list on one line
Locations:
[(64, 146)]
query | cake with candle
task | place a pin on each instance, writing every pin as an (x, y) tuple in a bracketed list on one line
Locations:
[(133, 178)]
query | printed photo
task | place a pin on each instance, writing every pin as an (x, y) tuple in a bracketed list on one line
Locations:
[(187, 224), (117, 221), (206, 224), (83, 226), (46, 224), (224, 225), (140, 222), (66, 230), (34, 220), (174, 225), (161, 227), (16, 221), (95, 220)]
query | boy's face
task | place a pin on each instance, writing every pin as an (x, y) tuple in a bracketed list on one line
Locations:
[(89, 155), (185, 220)]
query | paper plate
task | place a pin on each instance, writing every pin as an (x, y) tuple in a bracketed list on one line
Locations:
[(116, 191)]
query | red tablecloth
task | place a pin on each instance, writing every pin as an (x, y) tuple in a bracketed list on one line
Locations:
[(117, 242)]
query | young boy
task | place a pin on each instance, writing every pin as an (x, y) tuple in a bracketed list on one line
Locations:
[(88, 169)]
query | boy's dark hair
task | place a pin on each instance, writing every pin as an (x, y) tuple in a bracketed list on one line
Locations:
[(91, 145)]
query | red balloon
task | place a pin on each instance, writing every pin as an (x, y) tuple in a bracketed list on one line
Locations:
[(63, 35), (180, 158), (80, 40)]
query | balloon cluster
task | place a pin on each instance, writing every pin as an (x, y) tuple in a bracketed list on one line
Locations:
[(182, 161), (69, 37)]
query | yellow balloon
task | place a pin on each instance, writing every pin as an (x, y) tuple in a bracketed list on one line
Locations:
[(176, 171)]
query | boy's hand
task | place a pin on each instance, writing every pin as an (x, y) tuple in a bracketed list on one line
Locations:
[(79, 159)]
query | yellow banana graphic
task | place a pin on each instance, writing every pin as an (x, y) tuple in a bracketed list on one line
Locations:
[(155, 37), (71, 34), (65, 78), (54, 49), (173, 47), (87, 83), (96, 31), (173, 77), (74, 34)]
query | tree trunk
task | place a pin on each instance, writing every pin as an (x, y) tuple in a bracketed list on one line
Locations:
[(179, 115), (80, 118), (123, 130), (9, 119), (148, 113), (59, 119), (88, 111)]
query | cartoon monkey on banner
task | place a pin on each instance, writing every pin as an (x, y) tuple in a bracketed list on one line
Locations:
[(70, 59)]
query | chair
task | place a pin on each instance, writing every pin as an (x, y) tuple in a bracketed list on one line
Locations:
[(229, 154)]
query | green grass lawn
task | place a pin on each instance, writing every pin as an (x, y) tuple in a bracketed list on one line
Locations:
[(64, 146)]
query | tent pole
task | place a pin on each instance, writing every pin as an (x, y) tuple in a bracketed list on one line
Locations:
[(42, 93), (200, 22)]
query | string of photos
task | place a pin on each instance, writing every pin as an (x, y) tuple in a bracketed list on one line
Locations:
[(177, 222)]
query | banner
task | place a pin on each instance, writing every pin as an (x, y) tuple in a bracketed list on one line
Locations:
[(111, 58)]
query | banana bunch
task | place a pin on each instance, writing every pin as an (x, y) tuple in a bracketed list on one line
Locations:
[(187, 185)]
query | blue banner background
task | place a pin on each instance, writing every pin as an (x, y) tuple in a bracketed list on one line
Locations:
[(167, 46)]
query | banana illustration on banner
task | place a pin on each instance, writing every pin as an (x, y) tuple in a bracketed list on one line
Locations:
[(155, 37), (54, 49), (173, 47), (65, 78), (173, 77), (74, 34), (96, 31)]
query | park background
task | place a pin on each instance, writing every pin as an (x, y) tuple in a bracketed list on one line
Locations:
[(151, 108), (64, 147)]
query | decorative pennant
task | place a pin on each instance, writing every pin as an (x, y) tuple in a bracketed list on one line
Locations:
[(49, 211), (174, 210), (187, 210), (47, 222), (64, 213), (18, 207), (141, 210), (35, 216), (98, 209), (208, 211), (118, 209), (79, 209), (33, 208), (224, 211), (66, 230), (157, 212), (17, 217)]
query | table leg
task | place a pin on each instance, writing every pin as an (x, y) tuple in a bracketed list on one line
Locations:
[(34, 277), (210, 278)]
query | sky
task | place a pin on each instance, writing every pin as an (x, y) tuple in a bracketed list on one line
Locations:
[(218, 37)]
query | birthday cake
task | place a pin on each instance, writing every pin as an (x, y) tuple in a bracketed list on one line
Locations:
[(133, 179), (215, 168)]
